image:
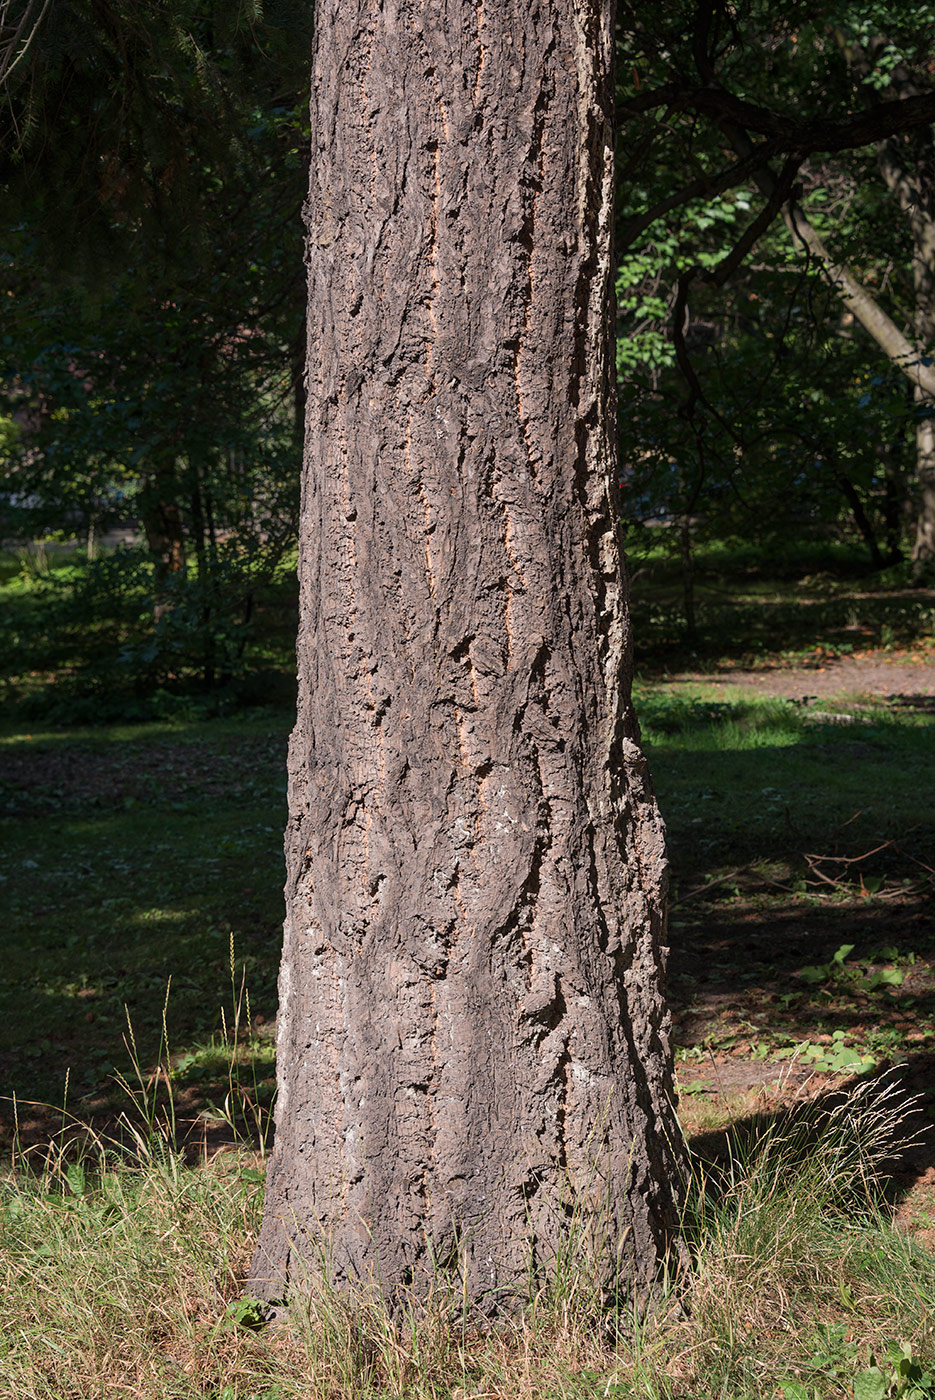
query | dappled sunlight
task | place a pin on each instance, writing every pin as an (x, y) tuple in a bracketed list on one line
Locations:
[(756, 974), (129, 864)]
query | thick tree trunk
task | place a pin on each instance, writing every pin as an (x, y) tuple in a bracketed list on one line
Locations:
[(473, 1043)]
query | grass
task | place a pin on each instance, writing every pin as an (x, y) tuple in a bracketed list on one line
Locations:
[(114, 1274), (802, 1277), (132, 855), (134, 851), (810, 600), (123, 1278), (791, 836), (762, 779)]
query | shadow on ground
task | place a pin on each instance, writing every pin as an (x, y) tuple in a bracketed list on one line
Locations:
[(743, 969)]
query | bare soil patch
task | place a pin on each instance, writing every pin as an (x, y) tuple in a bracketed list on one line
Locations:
[(898, 677)]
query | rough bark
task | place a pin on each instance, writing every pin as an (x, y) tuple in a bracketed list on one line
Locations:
[(473, 1045)]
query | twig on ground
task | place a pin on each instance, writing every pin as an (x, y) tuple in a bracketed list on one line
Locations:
[(709, 885), (915, 860)]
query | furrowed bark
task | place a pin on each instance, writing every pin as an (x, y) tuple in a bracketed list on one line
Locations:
[(473, 1044)]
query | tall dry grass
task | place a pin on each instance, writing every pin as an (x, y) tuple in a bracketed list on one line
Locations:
[(120, 1276)]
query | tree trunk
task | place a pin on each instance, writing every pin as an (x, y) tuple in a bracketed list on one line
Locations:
[(861, 518), (688, 577), (473, 1044), (204, 558), (907, 164), (923, 545), (162, 525), (923, 274)]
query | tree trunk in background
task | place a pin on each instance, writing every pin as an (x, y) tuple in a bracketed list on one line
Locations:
[(163, 527), (472, 1033), (923, 544), (923, 272), (907, 164)]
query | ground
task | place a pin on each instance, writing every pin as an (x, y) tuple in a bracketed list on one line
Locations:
[(902, 677), (142, 893), (734, 960), (140, 854)]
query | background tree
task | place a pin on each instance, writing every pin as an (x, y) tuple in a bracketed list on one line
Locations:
[(727, 342), (153, 168)]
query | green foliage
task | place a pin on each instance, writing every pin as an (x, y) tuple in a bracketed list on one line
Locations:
[(80, 642), (837, 1057), (247, 1312), (153, 288), (804, 602), (127, 122), (899, 1377), (838, 969), (827, 971), (790, 421)]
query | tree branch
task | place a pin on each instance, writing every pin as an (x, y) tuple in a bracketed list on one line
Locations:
[(716, 277), (704, 187), (16, 35), (877, 123), (782, 189)]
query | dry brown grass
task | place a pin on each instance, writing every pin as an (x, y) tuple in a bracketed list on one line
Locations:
[(121, 1280)]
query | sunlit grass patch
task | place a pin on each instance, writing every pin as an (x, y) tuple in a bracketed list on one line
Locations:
[(796, 1253), (116, 1279), (702, 719), (752, 778), (124, 1277)]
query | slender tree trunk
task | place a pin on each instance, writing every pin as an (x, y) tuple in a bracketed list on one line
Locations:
[(923, 268), (688, 577), (896, 505), (164, 530), (472, 1035), (202, 538), (923, 545), (861, 519), (907, 164)]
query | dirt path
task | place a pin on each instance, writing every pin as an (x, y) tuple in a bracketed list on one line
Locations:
[(738, 1079), (903, 678)]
